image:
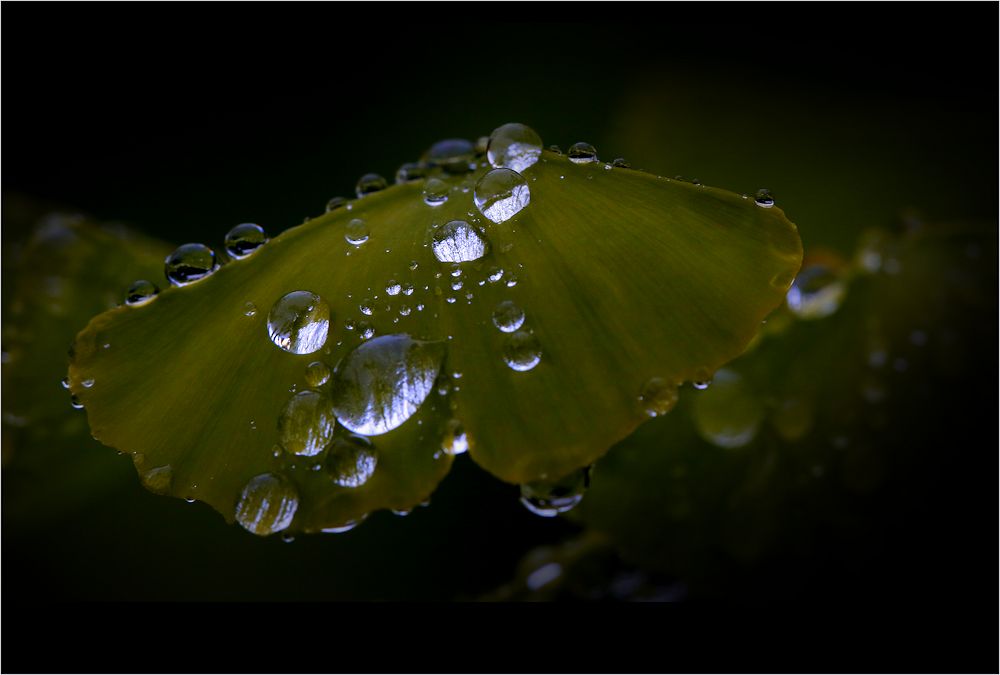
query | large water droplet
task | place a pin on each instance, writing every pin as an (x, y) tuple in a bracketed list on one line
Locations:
[(244, 239), (582, 153), (817, 292), (549, 498), (140, 293), (267, 504), (351, 461), (435, 192), (658, 396), (521, 351), (356, 232), (306, 424), (729, 414), (317, 374), (514, 146), (299, 322), (189, 263), (454, 155), (369, 183), (458, 241), (382, 382), (501, 194), (508, 317)]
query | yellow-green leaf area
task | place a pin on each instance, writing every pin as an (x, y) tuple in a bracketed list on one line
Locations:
[(616, 277)]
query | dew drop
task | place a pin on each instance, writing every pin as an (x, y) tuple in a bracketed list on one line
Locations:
[(249, 309), (454, 155), (267, 504), (299, 322), (556, 149), (621, 163), (74, 401), (729, 414), (65, 383), (457, 241), (369, 183), (88, 383), (365, 330), (455, 441), (817, 292), (158, 479), (244, 239), (317, 374), (409, 172), (508, 317), (335, 203), (763, 198), (521, 351), (549, 498), (404, 310), (658, 396), (414, 264), (393, 287), (382, 382), (189, 263), (495, 275), (407, 289), (514, 146), (435, 192), (367, 307), (356, 232), (140, 293), (306, 424), (351, 460), (501, 194), (582, 153)]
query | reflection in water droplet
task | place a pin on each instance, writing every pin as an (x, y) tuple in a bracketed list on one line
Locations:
[(457, 242), (140, 293), (508, 317), (514, 146), (306, 424), (367, 307), (817, 292), (393, 287), (351, 460), (335, 203), (729, 414), (365, 330), (382, 382), (763, 198), (454, 155), (658, 396), (410, 171), (356, 232), (521, 351), (435, 192), (455, 441), (267, 504), (317, 374), (621, 163), (189, 263), (244, 239), (550, 498), (582, 153), (369, 183), (495, 275), (501, 194), (299, 322)]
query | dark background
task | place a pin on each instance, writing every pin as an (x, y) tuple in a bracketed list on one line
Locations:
[(184, 119)]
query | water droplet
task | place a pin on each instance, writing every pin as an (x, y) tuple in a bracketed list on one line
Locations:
[(317, 374), (299, 322), (435, 192), (88, 383), (356, 232), (457, 241), (763, 198), (729, 414), (495, 275), (501, 194), (454, 155), (817, 292), (367, 307), (306, 424), (556, 149), (582, 153), (244, 239), (189, 263), (249, 309), (508, 317), (521, 351), (549, 498), (65, 383), (455, 441), (514, 146), (621, 163), (74, 401), (414, 264), (365, 330), (335, 203), (404, 310), (382, 382), (393, 287), (158, 479), (410, 171), (407, 289), (658, 396), (369, 183), (511, 282), (346, 527), (351, 460), (267, 504), (140, 293)]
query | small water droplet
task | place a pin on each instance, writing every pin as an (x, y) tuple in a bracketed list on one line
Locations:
[(763, 198), (365, 330), (356, 232), (455, 441), (729, 414), (74, 401), (244, 239), (414, 264), (189, 263), (249, 309), (158, 479), (514, 146), (621, 163), (457, 241), (454, 155), (549, 498), (495, 275), (508, 317), (435, 192), (410, 171), (582, 153), (88, 383), (317, 374), (522, 351), (140, 293), (267, 504), (456, 285), (367, 307), (393, 287), (335, 203), (65, 383), (299, 322), (556, 149), (369, 183), (306, 424), (501, 194), (511, 282), (351, 460), (407, 289), (817, 292), (346, 527), (658, 396)]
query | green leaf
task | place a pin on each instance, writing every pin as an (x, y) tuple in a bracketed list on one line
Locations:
[(623, 279)]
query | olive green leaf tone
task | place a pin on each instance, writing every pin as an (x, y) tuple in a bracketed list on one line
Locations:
[(820, 423), (621, 276)]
